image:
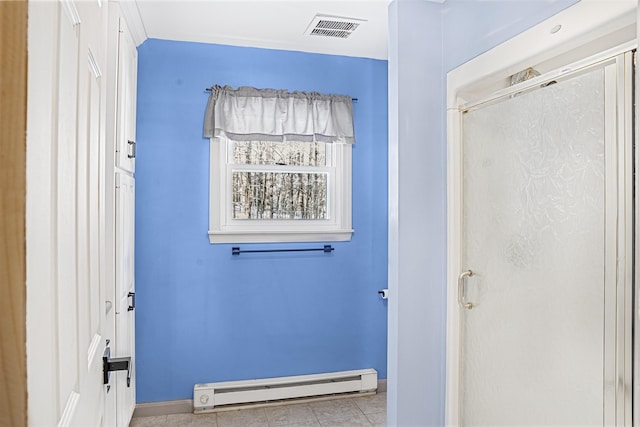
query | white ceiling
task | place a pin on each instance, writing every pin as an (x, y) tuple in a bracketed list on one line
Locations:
[(272, 24)]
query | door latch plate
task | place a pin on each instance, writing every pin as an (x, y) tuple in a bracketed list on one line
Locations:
[(116, 364)]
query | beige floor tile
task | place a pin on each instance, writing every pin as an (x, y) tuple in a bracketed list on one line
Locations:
[(303, 424), (256, 417), (352, 412), (158, 421), (290, 414), (379, 419), (179, 420), (334, 409), (205, 420), (372, 404), (192, 420), (359, 420)]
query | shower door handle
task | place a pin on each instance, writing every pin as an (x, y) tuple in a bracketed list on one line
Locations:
[(461, 281)]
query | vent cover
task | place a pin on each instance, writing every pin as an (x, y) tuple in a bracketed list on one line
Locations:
[(333, 26)]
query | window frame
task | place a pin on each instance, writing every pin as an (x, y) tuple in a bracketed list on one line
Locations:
[(224, 229)]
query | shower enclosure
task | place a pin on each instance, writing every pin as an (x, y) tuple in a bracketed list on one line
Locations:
[(546, 244)]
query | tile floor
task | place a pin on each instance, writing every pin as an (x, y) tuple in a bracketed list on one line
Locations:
[(351, 412)]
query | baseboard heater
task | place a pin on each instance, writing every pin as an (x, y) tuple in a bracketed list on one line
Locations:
[(213, 397)]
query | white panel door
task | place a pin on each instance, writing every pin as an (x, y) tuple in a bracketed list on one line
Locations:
[(82, 323), (545, 329), (125, 292), (127, 86)]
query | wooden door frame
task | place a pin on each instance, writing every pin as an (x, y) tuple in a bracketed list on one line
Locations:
[(13, 125), (581, 26)]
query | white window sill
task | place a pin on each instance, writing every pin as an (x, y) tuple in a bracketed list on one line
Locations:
[(279, 236)]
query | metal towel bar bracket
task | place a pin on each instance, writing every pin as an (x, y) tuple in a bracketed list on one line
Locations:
[(326, 249)]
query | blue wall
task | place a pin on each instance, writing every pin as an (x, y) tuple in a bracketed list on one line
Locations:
[(205, 316)]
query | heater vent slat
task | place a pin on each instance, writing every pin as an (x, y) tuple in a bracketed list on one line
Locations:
[(330, 33), (284, 385), (337, 25)]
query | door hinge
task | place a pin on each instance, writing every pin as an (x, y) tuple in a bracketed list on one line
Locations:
[(132, 149), (132, 295)]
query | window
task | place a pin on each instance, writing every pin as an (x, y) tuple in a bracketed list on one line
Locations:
[(294, 187), (279, 180)]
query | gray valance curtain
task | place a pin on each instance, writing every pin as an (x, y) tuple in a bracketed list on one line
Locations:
[(248, 113)]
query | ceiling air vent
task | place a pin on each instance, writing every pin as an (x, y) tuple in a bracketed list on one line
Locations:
[(333, 26)]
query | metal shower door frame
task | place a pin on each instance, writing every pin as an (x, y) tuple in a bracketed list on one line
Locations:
[(618, 403)]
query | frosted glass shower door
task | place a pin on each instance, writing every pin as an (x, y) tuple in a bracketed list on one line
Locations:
[(539, 239)]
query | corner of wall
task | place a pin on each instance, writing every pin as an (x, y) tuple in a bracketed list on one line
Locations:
[(417, 214)]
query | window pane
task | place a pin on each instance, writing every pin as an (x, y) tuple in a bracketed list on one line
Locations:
[(279, 195), (290, 153)]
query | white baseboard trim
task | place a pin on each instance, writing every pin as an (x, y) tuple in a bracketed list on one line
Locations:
[(185, 406)]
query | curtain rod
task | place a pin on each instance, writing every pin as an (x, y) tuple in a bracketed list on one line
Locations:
[(352, 99)]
